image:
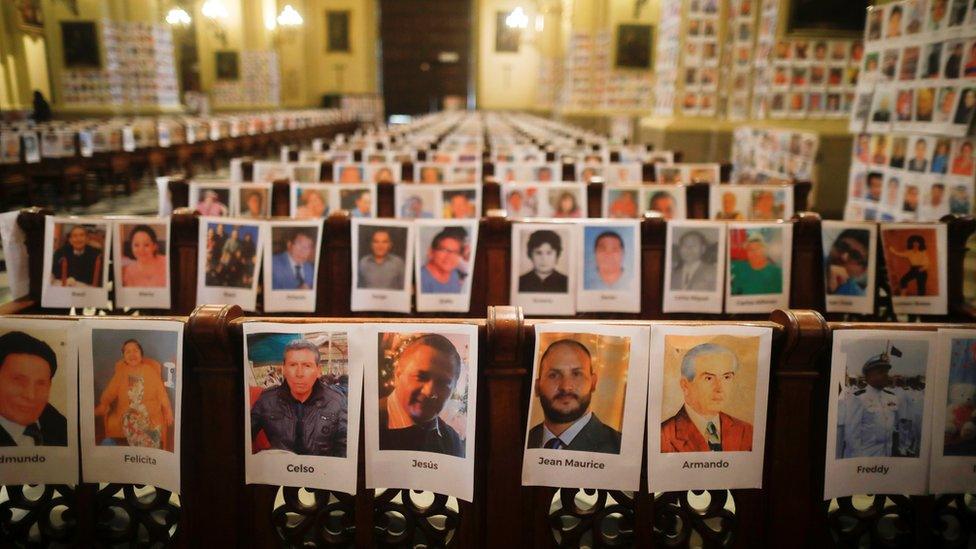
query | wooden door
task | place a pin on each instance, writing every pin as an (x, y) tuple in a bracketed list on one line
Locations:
[(426, 47)]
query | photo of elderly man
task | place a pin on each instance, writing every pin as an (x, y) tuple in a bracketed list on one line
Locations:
[(695, 269), (27, 418), (708, 382)]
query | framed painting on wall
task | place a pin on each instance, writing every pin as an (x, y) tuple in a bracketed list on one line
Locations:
[(337, 31), (227, 63), (80, 44), (506, 38), (634, 46), (827, 17), (31, 16)]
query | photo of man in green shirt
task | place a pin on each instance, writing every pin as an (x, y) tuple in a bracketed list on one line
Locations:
[(754, 272)]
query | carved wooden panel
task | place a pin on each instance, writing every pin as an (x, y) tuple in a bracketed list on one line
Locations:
[(697, 519), (412, 518), (41, 515), (592, 518), (135, 516), (314, 518), (879, 521), (954, 520)]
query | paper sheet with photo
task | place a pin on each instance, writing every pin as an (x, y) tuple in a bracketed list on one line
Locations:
[(543, 276), (358, 199), (879, 412), (586, 409), (460, 201), (609, 275), (706, 411), (49, 455), (915, 260), (382, 264), (850, 264), (412, 201), (333, 384), (14, 243), (76, 253), (420, 406), (312, 200), (213, 198), (229, 260), (292, 251), (953, 386), (141, 262), (130, 387), (668, 200), (759, 262), (444, 268), (269, 171), (164, 195), (253, 200), (694, 267)]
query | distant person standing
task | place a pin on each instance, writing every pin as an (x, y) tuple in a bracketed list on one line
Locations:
[(42, 110)]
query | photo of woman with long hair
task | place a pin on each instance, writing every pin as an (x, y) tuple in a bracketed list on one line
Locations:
[(144, 260)]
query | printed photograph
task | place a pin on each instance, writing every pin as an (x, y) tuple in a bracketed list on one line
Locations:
[(459, 204), (608, 258), (255, 201), (214, 202), (846, 260), (293, 258), (578, 393), (348, 173), (445, 254), (668, 202), (312, 202), (880, 403), (768, 204), (231, 251), (756, 261), (33, 396), (423, 392), (911, 255), (694, 257), (358, 202), (709, 393), (417, 202), (543, 264), (521, 201), (960, 400), (135, 387), (623, 203), (298, 392), (381, 263), (79, 255), (566, 203), (144, 261)]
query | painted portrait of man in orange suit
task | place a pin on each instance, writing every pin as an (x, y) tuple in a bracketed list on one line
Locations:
[(707, 381)]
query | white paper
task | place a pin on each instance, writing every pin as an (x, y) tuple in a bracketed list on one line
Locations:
[(215, 199), (225, 273), (56, 461), (860, 456), (253, 200), (455, 254), (606, 437), (66, 281), (905, 278), (268, 459), (694, 279), (135, 395), (849, 266), (750, 202), (953, 385), (728, 368), (763, 257), (609, 275), (14, 243), (291, 244), (382, 285), (141, 262), (266, 171), (420, 371), (542, 280)]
